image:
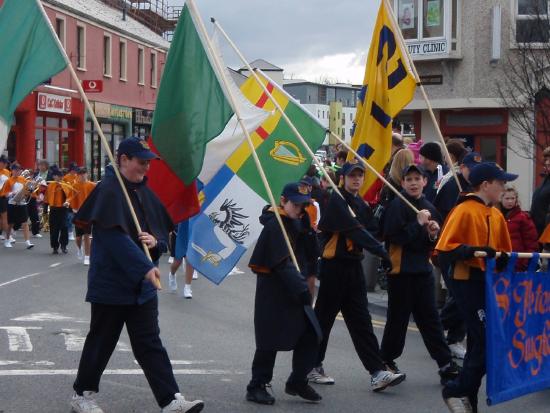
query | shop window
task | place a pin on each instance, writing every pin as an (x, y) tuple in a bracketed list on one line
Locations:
[(153, 69), (60, 29), (107, 55), (122, 60), (81, 47), (425, 19), (141, 66), (532, 22)]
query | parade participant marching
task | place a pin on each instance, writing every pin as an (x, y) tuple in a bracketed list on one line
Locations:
[(283, 317), (473, 225), (181, 240), (342, 282), (71, 178), (81, 190), (122, 281), (410, 240), (56, 197), (17, 194), (4, 176)]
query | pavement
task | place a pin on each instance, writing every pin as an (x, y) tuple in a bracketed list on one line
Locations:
[(210, 340)]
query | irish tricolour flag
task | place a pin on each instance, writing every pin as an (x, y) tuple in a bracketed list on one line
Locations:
[(29, 55), (194, 125)]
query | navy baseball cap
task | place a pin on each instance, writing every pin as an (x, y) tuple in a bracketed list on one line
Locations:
[(15, 166), (351, 166), (412, 168), (55, 171), (136, 147), (296, 193), (488, 171), (307, 180), (471, 159)]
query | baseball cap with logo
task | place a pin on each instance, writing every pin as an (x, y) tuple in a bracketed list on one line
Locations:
[(412, 168), (136, 147), (489, 171), (351, 166), (296, 193), (472, 159)]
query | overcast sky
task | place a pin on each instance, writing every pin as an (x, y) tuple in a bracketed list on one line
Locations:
[(309, 39)]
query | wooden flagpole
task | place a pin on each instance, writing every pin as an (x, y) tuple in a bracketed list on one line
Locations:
[(405, 49), (482, 254), (378, 174), (221, 71), (98, 128)]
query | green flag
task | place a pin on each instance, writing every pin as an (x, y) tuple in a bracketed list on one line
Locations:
[(29, 55), (191, 107)]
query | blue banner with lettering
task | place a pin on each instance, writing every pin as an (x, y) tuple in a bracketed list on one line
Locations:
[(518, 331)]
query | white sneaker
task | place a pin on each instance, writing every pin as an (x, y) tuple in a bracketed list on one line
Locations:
[(12, 240), (7, 244), (195, 275), (86, 260), (71, 236), (458, 405), (179, 404), (170, 260), (2, 237), (187, 292), (79, 254), (37, 236), (85, 403), (29, 244), (172, 282), (318, 376), (457, 350), (384, 378)]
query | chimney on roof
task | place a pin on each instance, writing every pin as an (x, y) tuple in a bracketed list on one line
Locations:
[(124, 12)]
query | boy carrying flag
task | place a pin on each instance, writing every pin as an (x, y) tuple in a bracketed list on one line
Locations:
[(473, 225)]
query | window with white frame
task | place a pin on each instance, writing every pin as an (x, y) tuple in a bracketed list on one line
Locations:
[(60, 29), (141, 66), (153, 69), (532, 21), (429, 26), (122, 59), (107, 48), (81, 46)]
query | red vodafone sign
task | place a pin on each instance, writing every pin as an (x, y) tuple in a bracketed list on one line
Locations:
[(54, 103), (92, 86)]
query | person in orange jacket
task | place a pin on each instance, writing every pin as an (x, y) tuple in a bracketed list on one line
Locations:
[(4, 176), (57, 194), (82, 189)]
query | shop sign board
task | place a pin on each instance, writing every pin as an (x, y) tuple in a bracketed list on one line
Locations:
[(92, 86), (48, 102)]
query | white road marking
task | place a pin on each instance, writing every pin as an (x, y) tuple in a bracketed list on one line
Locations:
[(125, 372), (47, 317), (34, 274), (18, 338), (28, 363), (186, 362), (235, 271), (55, 264), (74, 340)]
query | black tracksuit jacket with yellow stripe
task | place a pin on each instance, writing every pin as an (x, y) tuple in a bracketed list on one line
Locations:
[(407, 241)]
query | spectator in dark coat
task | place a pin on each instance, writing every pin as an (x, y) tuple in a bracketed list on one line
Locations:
[(540, 205), (431, 159), (520, 225)]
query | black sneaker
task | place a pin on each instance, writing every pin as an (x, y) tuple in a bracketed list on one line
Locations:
[(64, 250), (392, 366), (449, 372), (259, 394), (55, 251), (305, 391)]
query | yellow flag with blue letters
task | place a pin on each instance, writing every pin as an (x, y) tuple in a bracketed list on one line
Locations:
[(388, 86)]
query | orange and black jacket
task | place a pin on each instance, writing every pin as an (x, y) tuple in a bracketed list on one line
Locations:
[(81, 191), (56, 194), (471, 223), (408, 242), (344, 236)]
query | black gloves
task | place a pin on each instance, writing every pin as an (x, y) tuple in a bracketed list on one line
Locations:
[(469, 252), (305, 298), (386, 264), (502, 262)]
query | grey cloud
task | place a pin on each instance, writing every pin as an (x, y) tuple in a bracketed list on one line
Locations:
[(290, 31)]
